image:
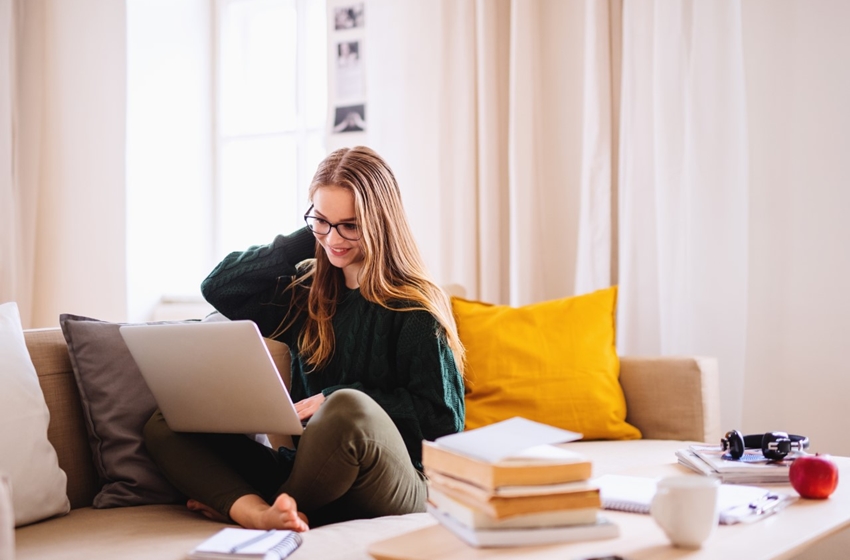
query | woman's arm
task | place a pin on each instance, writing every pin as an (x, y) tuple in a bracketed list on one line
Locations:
[(248, 284)]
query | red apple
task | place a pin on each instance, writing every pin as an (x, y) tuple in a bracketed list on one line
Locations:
[(813, 476)]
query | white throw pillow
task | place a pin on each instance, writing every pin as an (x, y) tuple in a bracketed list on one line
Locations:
[(26, 455), (7, 519)]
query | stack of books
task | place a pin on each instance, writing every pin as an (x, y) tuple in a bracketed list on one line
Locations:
[(751, 468), (541, 495)]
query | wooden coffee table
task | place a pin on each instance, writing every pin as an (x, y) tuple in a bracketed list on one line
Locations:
[(783, 535)]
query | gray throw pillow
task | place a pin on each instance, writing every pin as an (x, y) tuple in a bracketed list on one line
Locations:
[(116, 404)]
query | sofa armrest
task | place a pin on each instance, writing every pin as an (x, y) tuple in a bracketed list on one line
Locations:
[(67, 428), (672, 397)]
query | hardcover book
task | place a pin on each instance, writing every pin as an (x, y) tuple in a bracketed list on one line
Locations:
[(484, 493), (476, 519), (500, 507), (601, 529), (538, 465)]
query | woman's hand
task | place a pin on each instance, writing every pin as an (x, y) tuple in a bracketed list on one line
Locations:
[(308, 407)]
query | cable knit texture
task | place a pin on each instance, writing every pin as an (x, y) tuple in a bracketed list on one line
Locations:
[(399, 358)]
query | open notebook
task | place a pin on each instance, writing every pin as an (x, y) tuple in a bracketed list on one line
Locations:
[(245, 544), (736, 503)]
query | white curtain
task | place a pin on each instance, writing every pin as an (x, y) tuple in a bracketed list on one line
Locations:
[(552, 148), (597, 260), (9, 254), (62, 152), (477, 106), (683, 220), (21, 92)]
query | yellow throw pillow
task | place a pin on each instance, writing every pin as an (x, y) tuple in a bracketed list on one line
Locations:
[(553, 362)]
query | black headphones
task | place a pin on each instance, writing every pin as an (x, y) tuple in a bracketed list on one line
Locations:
[(774, 445)]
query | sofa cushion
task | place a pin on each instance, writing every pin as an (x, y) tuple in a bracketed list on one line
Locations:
[(169, 532), (116, 405), (554, 362), (26, 455)]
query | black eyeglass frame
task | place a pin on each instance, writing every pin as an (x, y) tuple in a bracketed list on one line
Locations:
[(330, 225)]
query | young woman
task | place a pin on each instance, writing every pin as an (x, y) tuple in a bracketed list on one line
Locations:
[(376, 363)]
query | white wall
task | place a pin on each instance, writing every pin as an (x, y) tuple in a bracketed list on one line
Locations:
[(798, 87), (80, 250)]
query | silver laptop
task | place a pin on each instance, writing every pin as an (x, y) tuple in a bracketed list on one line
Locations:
[(216, 377)]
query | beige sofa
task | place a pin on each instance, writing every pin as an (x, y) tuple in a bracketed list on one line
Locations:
[(670, 400)]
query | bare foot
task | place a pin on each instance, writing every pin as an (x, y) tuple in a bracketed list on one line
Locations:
[(195, 505), (252, 512)]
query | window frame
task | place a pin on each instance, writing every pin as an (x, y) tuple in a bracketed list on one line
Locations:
[(301, 133)]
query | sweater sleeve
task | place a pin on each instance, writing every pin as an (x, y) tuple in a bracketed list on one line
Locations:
[(431, 403), (250, 284)]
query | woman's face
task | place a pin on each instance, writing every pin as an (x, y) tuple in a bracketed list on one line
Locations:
[(335, 205)]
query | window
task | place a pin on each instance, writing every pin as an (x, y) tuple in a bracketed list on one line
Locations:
[(271, 103), (226, 110)]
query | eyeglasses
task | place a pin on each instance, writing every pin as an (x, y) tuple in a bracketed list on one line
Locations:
[(346, 230)]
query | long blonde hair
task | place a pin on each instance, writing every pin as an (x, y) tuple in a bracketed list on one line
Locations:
[(393, 270)]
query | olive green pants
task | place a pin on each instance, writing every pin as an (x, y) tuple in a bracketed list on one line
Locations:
[(351, 463)]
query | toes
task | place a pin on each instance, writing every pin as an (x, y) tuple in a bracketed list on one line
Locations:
[(288, 513), (285, 502)]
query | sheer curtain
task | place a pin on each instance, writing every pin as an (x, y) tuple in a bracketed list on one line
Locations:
[(62, 98), (550, 148), (8, 197), (683, 181), (597, 260), (477, 105), (21, 112)]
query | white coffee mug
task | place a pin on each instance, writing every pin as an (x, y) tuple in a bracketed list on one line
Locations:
[(686, 508), (7, 520)]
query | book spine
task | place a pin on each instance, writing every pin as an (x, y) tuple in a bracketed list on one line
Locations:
[(460, 466), (602, 529), (483, 494), (500, 508), (510, 476), (476, 519), (494, 475)]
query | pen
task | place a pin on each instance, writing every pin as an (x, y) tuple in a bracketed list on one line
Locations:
[(765, 504), (763, 507), (255, 539)]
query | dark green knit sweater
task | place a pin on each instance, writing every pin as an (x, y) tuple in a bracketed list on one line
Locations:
[(396, 357)]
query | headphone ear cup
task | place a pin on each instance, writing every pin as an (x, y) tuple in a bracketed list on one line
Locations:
[(799, 443), (735, 442), (775, 445)]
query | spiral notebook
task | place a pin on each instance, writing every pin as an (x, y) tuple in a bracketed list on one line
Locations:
[(235, 542), (737, 503)]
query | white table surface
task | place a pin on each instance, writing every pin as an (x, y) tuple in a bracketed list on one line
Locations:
[(783, 535)]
